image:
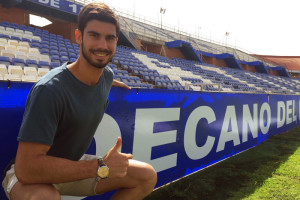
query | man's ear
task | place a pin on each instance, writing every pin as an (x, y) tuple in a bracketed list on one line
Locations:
[(78, 36)]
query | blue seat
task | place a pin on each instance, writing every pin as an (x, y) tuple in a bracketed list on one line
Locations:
[(18, 61), (73, 55), (44, 64), (72, 59), (63, 54), (54, 52), (22, 27), (53, 48), (71, 51), (34, 45), (54, 65), (15, 38), (26, 40), (44, 46), (62, 48), (5, 60), (44, 51), (55, 58), (64, 59), (4, 23), (5, 36), (31, 63)]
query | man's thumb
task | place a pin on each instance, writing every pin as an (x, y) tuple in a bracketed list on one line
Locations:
[(118, 144)]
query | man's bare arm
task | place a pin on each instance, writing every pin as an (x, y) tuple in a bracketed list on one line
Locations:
[(116, 83), (34, 166)]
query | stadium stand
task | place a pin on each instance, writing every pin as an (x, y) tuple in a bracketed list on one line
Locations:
[(28, 53)]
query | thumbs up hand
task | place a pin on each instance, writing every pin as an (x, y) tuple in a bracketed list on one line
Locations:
[(116, 161)]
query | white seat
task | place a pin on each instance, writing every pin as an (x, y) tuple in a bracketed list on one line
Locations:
[(27, 36), (13, 42), (9, 33), (12, 77), (21, 54), (42, 71), (34, 50), (2, 46), (36, 38), (30, 71), (45, 58), (28, 33), (10, 29), (29, 78), (3, 40), (8, 53), (23, 49), (1, 77), (33, 56), (19, 31), (24, 44), (2, 28), (17, 34), (15, 69), (11, 47), (3, 69)]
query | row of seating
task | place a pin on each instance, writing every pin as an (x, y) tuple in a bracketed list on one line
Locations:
[(17, 73)]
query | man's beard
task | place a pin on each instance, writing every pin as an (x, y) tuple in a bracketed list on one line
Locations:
[(98, 65)]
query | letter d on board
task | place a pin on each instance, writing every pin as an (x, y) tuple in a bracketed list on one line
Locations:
[(280, 114)]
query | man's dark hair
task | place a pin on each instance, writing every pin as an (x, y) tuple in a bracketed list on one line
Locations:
[(97, 11)]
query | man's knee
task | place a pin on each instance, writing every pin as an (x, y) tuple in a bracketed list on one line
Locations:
[(149, 177), (46, 193), (34, 192)]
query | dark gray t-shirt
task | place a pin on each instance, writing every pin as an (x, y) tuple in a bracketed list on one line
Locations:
[(64, 113)]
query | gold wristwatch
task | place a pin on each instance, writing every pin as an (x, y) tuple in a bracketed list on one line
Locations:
[(103, 170)]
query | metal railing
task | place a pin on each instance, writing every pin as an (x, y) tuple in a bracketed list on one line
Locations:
[(179, 32)]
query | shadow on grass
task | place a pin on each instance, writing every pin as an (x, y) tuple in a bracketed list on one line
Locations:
[(236, 177)]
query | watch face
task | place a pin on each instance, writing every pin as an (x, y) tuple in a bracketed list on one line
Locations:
[(103, 172)]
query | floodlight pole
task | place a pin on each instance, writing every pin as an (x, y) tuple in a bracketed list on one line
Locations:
[(162, 11), (226, 34)]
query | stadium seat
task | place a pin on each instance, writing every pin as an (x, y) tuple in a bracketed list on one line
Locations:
[(55, 58), (54, 65), (34, 50), (30, 71), (13, 42), (33, 56), (64, 59), (44, 64), (15, 70), (31, 63), (42, 71), (24, 44), (3, 69), (5, 60), (44, 58), (2, 46), (18, 62), (8, 53)]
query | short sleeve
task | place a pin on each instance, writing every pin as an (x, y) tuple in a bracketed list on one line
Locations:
[(41, 117)]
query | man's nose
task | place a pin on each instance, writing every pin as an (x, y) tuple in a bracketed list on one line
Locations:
[(102, 43)]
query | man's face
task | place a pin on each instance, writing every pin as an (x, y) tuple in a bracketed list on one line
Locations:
[(98, 43)]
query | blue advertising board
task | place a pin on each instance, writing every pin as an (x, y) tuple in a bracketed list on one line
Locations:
[(62, 5), (177, 132)]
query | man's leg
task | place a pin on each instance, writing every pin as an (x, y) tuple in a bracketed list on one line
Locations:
[(34, 192), (138, 183)]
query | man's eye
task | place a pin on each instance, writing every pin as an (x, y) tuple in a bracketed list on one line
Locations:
[(111, 38), (93, 35)]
